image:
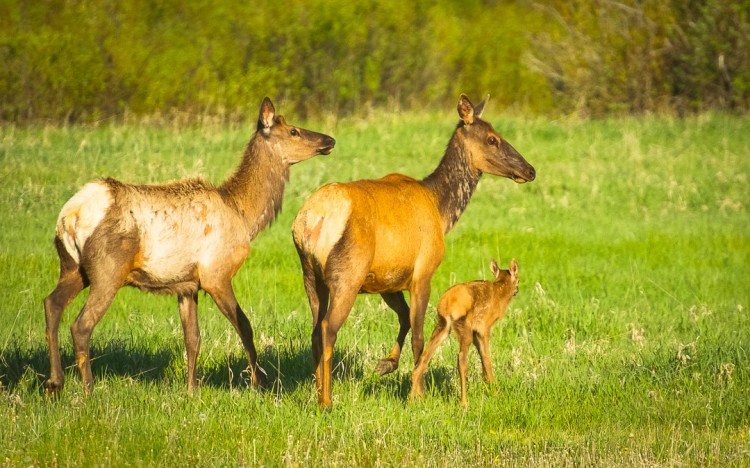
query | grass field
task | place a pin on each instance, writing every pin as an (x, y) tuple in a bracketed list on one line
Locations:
[(628, 343)]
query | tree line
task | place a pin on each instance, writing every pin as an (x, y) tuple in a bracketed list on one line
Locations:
[(82, 61)]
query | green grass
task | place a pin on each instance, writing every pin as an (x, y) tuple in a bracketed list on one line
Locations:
[(628, 343)]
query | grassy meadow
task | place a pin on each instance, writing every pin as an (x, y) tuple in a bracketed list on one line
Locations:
[(628, 343)]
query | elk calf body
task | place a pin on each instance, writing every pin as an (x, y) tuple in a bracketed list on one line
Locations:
[(173, 239), (386, 236), (470, 310)]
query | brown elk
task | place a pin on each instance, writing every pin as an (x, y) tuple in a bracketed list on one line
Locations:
[(470, 309), (172, 239), (386, 236)]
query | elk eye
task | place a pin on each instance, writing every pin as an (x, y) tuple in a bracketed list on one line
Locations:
[(294, 132), (492, 141)]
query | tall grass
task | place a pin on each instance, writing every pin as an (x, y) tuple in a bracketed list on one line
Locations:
[(628, 342)]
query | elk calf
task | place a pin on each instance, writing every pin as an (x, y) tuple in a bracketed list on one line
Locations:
[(175, 238), (470, 309)]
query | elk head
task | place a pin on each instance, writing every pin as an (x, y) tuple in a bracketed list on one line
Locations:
[(488, 151), (295, 143)]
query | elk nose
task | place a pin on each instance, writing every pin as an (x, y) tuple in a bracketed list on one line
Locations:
[(532, 173), (329, 142)]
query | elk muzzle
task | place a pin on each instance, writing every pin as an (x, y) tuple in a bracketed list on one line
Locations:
[(514, 166), (328, 143)]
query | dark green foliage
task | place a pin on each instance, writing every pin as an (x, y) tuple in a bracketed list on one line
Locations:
[(638, 56), (89, 61)]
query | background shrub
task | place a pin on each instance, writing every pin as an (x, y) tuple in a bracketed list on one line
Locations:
[(74, 60)]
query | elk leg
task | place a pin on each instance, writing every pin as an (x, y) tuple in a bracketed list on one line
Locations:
[(317, 334), (341, 305), (463, 364), (99, 300), (420, 296), (396, 302), (317, 295), (188, 307), (70, 284), (441, 332), (482, 343), (227, 303)]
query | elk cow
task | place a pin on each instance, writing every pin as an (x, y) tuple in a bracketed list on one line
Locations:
[(470, 309), (173, 239), (386, 236)]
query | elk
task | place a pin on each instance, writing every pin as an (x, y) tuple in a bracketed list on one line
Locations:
[(386, 236), (175, 239), (469, 309)]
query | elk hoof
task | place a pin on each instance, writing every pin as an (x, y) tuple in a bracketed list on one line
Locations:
[(259, 378), (53, 388), (386, 366)]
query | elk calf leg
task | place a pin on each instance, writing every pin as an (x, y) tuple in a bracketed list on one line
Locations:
[(482, 343), (463, 364), (441, 332), (188, 307)]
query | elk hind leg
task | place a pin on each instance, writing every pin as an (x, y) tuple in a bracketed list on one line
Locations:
[(482, 343), (441, 332), (396, 302), (227, 302), (339, 309), (463, 364), (70, 284), (99, 300)]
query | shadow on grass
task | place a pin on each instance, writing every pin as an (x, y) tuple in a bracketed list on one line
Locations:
[(399, 383), (24, 369)]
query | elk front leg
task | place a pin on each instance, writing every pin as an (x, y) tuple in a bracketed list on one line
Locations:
[(441, 332), (188, 307), (420, 297), (482, 343), (227, 303), (396, 302)]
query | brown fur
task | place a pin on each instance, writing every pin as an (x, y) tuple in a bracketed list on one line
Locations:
[(470, 310), (386, 236), (175, 239)]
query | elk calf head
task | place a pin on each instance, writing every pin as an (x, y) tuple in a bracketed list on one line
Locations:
[(489, 151)]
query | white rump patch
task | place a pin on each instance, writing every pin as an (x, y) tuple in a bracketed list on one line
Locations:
[(81, 215), (321, 222)]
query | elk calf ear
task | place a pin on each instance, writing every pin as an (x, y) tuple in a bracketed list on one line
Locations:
[(495, 269), (266, 116), (514, 269), (465, 110)]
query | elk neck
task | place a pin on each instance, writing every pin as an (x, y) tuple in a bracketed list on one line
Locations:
[(256, 189), (453, 183)]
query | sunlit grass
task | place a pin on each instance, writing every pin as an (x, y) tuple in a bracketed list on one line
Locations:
[(628, 342)]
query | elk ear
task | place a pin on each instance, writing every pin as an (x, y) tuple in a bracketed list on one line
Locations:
[(495, 269), (480, 107), (514, 269), (266, 116), (465, 110)]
